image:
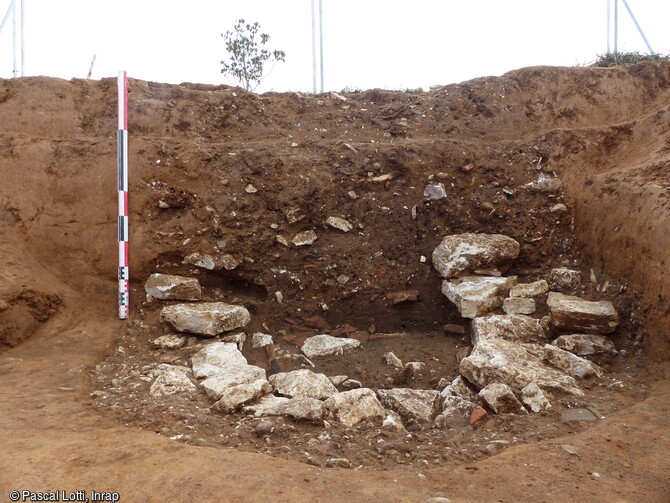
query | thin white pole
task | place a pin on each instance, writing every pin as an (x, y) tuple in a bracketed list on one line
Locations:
[(637, 25), (313, 49), (616, 26), (4, 19), (609, 22), (321, 40), (15, 70), (23, 40)]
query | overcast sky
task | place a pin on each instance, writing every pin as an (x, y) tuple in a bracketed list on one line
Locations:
[(367, 43)]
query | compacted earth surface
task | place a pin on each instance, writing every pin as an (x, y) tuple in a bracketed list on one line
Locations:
[(322, 214)]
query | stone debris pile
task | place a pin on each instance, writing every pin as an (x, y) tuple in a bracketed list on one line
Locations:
[(519, 362)]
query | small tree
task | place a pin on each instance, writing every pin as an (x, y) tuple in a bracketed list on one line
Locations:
[(247, 54)]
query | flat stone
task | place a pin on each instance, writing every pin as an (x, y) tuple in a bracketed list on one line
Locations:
[(171, 379), (304, 238), (206, 318), (533, 397), (578, 315), (455, 412), (590, 345), (499, 360), (215, 358), (169, 287), (529, 290), (402, 297), (512, 327), (577, 415), (501, 399), (352, 407), (339, 223), (260, 340), (267, 402), (302, 383), (210, 262), (434, 192), (327, 345), (169, 341), (418, 404), (305, 409), (519, 305), (477, 295), (462, 253), (574, 365), (338, 463), (564, 280), (230, 376), (234, 397)]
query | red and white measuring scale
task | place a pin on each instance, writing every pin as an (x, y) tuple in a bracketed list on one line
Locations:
[(124, 277)]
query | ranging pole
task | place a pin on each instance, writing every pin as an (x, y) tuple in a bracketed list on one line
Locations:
[(124, 277)]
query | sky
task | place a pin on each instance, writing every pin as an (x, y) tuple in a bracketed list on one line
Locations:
[(368, 44)]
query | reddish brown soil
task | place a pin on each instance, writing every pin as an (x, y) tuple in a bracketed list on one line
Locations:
[(604, 132)]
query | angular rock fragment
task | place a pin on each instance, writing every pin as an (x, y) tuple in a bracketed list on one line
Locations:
[(339, 223), (499, 360), (418, 404), (267, 402), (211, 263), (230, 376), (403, 297), (169, 287), (237, 339), (578, 315), (259, 340), (391, 359), (563, 279), (304, 238), (235, 396), (519, 305), (206, 318), (171, 379), (533, 397), (501, 399), (352, 407), (590, 345), (477, 295), (393, 421), (300, 409), (303, 383), (574, 365), (169, 341), (512, 327), (215, 358), (458, 402), (529, 290), (434, 192), (462, 253), (294, 214), (327, 345)]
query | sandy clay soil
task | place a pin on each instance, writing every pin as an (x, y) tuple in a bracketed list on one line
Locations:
[(217, 170)]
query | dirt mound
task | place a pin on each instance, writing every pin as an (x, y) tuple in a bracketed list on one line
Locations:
[(569, 162)]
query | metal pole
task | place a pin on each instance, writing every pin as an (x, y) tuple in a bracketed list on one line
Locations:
[(616, 27), (9, 11), (321, 40), (313, 49), (15, 70), (23, 40), (632, 16), (608, 26)]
